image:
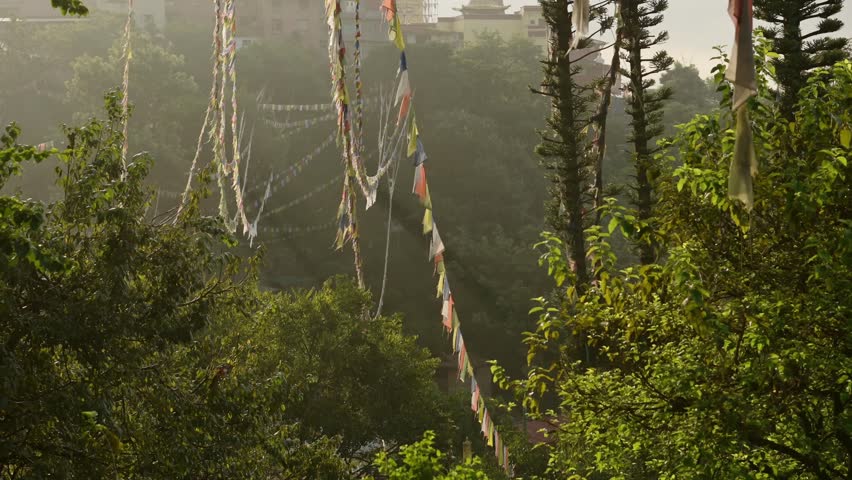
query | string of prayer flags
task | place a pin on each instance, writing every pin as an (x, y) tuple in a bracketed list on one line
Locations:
[(580, 20), (298, 229), (344, 219), (318, 107), (253, 227), (359, 100), (219, 153), (125, 86), (282, 178), (450, 320), (741, 72), (403, 91), (315, 107), (224, 71), (304, 197), (231, 30), (301, 124), (211, 106)]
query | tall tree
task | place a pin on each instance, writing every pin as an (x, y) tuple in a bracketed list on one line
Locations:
[(802, 51), (727, 359), (564, 146), (691, 95), (645, 104)]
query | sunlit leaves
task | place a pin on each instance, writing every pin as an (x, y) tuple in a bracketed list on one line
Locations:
[(729, 359)]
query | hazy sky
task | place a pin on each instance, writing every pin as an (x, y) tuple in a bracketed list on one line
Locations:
[(694, 26)]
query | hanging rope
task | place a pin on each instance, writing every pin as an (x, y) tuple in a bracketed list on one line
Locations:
[(359, 97), (224, 70), (305, 197), (231, 28), (347, 213), (125, 86), (211, 106)]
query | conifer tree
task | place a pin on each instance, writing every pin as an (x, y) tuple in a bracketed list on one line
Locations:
[(564, 148), (801, 50), (644, 103)]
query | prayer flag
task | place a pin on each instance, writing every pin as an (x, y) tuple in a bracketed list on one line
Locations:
[(474, 396), (455, 316), (412, 136), (744, 163), (448, 317), (506, 458), (439, 264), (462, 358), (404, 87), (420, 153), (398, 39), (580, 20), (484, 422), (403, 108), (437, 247), (389, 8), (741, 72), (421, 188), (427, 221)]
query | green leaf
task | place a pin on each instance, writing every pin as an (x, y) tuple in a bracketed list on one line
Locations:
[(846, 137), (613, 224)]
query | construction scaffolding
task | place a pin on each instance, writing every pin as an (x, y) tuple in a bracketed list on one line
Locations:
[(417, 11), (430, 11)]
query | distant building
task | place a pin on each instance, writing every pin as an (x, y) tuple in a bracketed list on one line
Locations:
[(298, 21), (481, 16)]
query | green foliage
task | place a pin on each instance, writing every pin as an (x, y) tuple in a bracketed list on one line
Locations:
[(422, 461), (135, 346), (801, 51), (565, 149), (166, 101), (730, 358), (645, 103), (70, 7), (691, 95), (23, 219)]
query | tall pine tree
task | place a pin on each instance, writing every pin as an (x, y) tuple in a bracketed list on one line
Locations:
[(564, 148), (644, 105), (801, 50)]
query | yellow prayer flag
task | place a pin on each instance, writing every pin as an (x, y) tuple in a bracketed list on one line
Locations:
[(427, 221), (397, 27), (412, 136)]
